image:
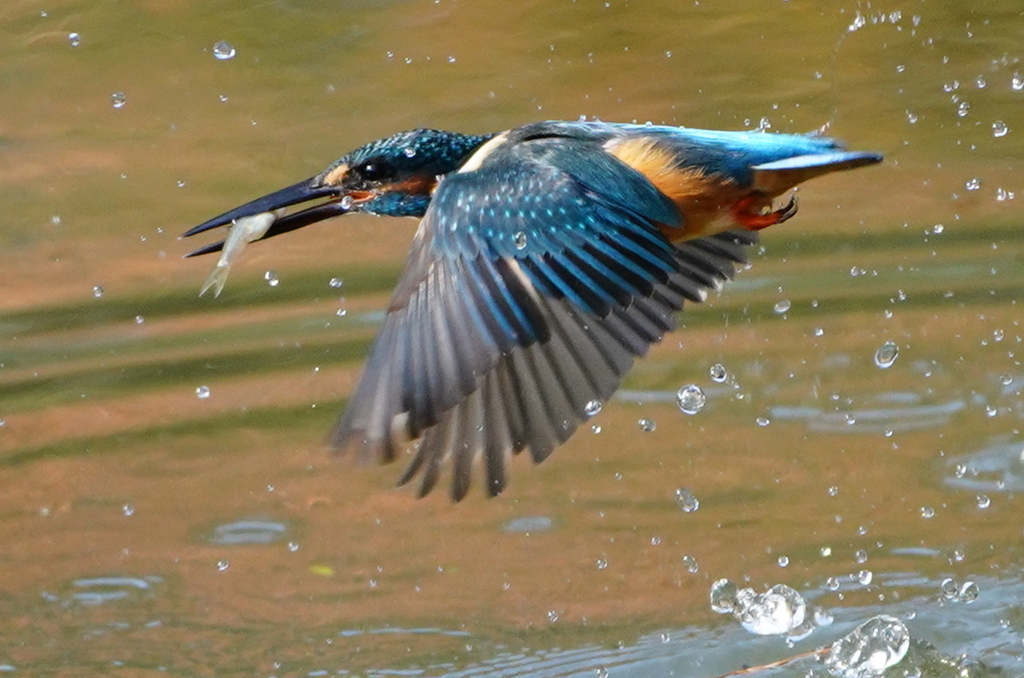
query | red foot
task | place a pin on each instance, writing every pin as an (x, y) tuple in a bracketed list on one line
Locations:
[(756, 220)]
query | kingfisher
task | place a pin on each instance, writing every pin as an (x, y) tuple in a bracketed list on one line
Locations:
[(548, 257)]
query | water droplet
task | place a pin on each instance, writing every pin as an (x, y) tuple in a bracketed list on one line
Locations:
[(823, 617), (723, 596), (74, 39), (118, 99), (552, 616), (911, 117), (223, 50), (718, 373), (999, 129), (180, 183), (1017, 82), (864, 577), (869, 649), (832, 584), (686, 500), (690, 563), (592, 408), (55, 220), (293, 547), (223, 98), (948, 587), (973, 184), (647, 425), (222, 565), (690, 399), (968, 593), (1005, 379), (778, 610), (833, 490), (938, 228), (927, 512), (519, 239), (336, 282), (271, 278), (128, 510), (983, 501), (451, 59), (825, 551), (962, 109), (861, 556), (409, 152), (980, 82), (203, 392), (886, 355), (783, 306), (341, 312), (602, 563), (346, 202), (763, 421), (783, 561)]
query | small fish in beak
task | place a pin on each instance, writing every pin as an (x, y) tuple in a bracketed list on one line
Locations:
[(242, 232)]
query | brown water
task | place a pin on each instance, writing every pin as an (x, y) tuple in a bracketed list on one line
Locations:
[(148, 531)]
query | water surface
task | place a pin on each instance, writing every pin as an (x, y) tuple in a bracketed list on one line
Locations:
[(150, 530)]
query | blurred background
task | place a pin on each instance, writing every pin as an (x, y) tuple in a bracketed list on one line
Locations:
[(168, 505)]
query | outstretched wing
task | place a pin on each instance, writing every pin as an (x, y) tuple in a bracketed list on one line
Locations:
[(533, 282)]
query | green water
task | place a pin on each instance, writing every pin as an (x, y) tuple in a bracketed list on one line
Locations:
[(116, 473)]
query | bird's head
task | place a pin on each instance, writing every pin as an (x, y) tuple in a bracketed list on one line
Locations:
[(394, 176)]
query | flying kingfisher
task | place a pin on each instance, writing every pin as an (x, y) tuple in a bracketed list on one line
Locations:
[(547, 258)]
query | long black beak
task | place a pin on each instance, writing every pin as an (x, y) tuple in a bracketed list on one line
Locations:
[(303, 191)]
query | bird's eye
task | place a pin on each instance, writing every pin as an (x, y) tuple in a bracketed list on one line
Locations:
[(375, 169)]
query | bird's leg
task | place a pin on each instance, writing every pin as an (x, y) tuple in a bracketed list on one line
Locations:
[(749, 213)]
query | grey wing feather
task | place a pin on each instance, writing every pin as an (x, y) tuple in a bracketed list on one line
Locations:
[(484, 354)]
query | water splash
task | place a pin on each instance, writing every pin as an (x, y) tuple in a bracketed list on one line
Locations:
[(777, 611), (870, 649)]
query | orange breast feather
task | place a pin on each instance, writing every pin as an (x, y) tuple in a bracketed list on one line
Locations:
[(699, 197)]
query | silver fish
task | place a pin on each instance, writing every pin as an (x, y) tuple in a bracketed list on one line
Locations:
[(243, 231)]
